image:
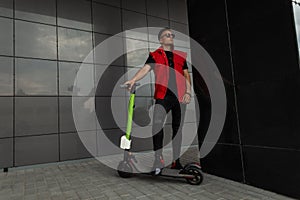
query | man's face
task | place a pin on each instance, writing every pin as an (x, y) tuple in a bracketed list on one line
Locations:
[(164, 39)]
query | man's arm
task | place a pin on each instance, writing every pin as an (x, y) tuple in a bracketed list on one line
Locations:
[(188, 80), (142, 72), (187, 96), (139, 75)]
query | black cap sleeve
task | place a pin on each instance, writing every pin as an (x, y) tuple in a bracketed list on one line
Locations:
[(150, 61), (185, 66)]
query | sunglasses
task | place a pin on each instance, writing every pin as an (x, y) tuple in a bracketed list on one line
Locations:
[(168, 35)]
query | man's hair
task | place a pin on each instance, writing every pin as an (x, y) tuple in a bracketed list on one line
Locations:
[(161, 31)]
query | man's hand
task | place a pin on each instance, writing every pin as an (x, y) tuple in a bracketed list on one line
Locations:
[(186, 98), (130, 83)]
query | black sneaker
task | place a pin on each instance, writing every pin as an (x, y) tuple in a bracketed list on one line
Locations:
[(176, 165), (158, 165)]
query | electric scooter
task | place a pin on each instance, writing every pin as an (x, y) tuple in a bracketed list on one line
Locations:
[(130, 165)]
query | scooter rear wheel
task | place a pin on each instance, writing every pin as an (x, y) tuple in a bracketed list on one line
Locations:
[(198, 177), (124, 170)]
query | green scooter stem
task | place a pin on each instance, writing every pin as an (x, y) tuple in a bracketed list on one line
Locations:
[(130, 115), (126, 139)]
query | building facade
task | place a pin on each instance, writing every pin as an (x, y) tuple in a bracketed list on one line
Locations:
[(254, 45)]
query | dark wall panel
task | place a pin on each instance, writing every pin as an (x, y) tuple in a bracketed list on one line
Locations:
[(208, 26), (273, 169), (225, 161), (263, 43), (259, 39)]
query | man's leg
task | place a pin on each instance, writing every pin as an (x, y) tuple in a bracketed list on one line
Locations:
[(160, 111), (178, 114), (159, 115)]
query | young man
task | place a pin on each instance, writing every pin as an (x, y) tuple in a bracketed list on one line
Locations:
[(172, 92)]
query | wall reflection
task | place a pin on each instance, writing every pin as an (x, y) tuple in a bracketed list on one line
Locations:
[(74, 45), (35, 40), (36, 77), (6, 76), (42, 11)]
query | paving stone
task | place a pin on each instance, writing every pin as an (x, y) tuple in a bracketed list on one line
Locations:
[(87, 179), (30, 197)]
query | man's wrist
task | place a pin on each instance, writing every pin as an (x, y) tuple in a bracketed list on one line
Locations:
[(189, 93)]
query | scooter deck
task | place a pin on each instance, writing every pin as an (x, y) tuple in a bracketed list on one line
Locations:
[(175, 173), (166, 171)]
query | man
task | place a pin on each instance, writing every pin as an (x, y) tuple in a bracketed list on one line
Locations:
[(172, 93)]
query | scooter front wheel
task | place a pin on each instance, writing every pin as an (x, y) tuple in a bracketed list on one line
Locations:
[(124, 170), (198, 177)]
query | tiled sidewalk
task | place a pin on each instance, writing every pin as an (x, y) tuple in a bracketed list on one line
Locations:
[(88, 179)]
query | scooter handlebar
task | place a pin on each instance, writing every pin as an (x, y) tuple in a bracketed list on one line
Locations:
[(126, 85)]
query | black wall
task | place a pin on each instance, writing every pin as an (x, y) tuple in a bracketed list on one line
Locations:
[(254, 45)]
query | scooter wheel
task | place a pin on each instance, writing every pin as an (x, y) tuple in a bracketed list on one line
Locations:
[(198, 177), (124, 170)]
